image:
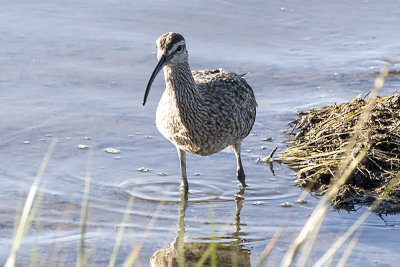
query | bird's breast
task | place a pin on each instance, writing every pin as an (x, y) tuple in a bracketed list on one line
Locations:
[(206, 126), (188, 131)]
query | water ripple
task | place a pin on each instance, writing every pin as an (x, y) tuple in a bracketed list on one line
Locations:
[(166, 192)]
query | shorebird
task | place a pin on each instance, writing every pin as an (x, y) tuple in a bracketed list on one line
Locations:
[(201, 112)]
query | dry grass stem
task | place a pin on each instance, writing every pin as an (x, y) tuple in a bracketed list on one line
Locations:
[(330, 137), (338, 243), (349, 249), (135, 252), (211, 251), (22, 226), (271, 244), (118, 240), (36, 213), (357, 146), (82, 258)]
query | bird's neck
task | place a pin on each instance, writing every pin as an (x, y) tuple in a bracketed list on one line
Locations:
[(180, 83)]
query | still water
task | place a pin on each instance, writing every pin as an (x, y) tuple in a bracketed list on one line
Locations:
[(76, 71)]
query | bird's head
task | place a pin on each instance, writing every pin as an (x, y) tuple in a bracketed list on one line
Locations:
[(172, 46), (171, 49)]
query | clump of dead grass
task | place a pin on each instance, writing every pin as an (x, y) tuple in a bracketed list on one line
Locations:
[(319, 146)]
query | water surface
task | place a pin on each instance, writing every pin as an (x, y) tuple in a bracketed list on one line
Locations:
[(71, 70)]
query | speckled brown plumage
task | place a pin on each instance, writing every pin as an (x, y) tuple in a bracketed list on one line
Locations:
[(201, 112)]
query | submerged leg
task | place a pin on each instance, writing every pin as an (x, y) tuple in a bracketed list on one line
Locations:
[(184, 182), (240, 173)]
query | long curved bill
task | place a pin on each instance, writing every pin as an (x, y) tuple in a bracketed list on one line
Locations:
[(161, 63)]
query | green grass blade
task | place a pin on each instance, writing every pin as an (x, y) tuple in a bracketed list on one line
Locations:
[(36, 213), (348, 166), (118, 240), (19, 234), (81, 258), (357, 223)]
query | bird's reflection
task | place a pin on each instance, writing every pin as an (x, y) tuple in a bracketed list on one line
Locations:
[(182, 253)]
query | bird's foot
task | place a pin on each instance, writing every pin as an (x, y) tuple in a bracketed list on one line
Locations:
[(241, 178)]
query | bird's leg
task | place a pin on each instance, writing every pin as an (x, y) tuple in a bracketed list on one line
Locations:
[(240, 173), (184, 182)]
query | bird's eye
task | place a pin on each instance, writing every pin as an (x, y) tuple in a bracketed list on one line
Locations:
[(179, 49)]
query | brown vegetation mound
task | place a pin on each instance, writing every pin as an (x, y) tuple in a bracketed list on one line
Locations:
[(318, 148)]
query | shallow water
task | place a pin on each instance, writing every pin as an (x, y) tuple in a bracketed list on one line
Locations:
[(71, 70)]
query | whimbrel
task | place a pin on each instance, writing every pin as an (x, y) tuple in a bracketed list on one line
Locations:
[(200, 112)]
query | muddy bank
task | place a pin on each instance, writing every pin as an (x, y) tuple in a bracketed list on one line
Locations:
[(318, 148)]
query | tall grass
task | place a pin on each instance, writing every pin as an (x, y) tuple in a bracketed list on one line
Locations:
[(36, 213), (340, 241), (82, 259), (118, 240), (354, 155), (132, 257), (24, 221), (211, 252)]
